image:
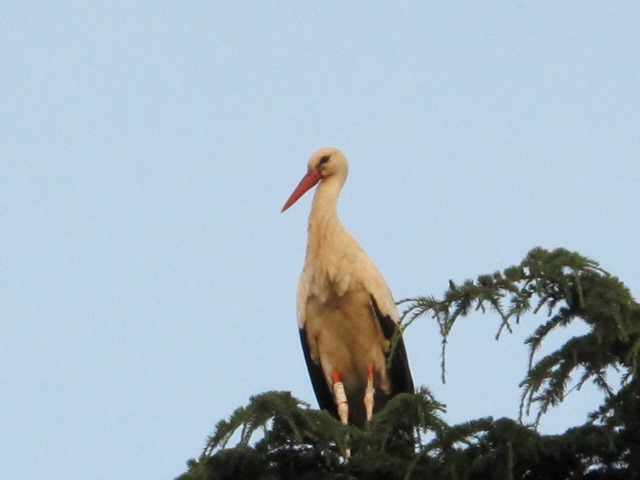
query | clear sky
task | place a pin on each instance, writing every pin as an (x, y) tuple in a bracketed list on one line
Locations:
[(147, 276)]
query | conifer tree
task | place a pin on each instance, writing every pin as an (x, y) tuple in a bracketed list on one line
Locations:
[(276, 436)]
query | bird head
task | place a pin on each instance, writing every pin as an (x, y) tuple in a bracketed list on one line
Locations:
[(325, 163)]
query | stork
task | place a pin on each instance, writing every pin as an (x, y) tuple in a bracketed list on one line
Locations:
[(346, 313)]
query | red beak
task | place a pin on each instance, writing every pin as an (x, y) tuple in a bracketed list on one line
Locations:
[(308, 181)]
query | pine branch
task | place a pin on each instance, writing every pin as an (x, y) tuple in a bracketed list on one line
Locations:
[(291, 414), (567, 286)]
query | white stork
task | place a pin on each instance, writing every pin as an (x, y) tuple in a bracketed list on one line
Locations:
[(346, 313)]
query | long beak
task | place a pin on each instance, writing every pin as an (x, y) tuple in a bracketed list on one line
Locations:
[(308, 181)]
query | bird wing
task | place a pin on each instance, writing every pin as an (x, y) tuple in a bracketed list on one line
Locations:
[(386, 312), (399, 371), (318, 379), (317, 376)]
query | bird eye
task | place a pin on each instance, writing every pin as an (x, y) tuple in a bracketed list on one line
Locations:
[(324, 160)]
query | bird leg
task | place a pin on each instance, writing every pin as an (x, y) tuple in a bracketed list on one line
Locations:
[(342, 404), (368, 394), (340, 398)]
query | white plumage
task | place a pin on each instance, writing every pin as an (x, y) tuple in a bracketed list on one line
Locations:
[(346, 313)]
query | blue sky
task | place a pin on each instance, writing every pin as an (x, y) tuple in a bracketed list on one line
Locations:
[(147, 277)]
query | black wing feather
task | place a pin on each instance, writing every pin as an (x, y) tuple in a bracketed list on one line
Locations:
[(399, 371)]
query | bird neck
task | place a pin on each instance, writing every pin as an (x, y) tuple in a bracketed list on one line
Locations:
[(323, 219)]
